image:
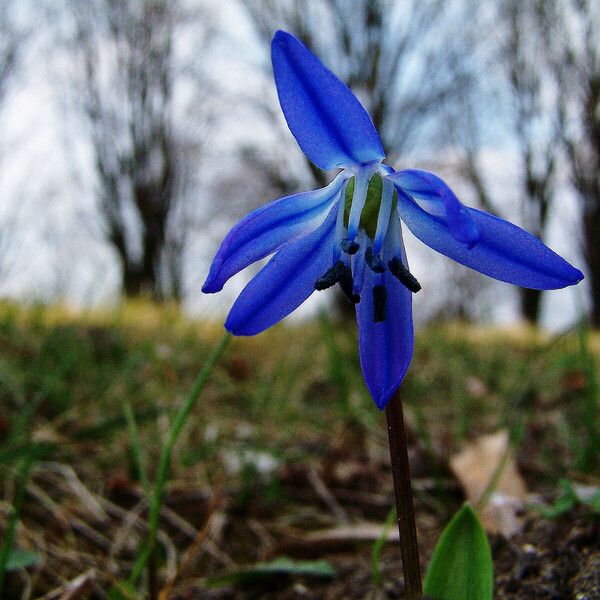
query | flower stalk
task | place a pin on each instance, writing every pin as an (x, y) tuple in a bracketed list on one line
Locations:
[(405, 512), (348, 234)]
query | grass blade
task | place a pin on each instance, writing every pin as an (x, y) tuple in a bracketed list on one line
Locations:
[(165, 457), (6, 548)]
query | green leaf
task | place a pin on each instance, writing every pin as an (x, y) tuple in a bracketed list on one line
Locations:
[(121, 590), (567, 500), (461, 566), (37, 451), (21, 559), (266, 571), (561, 505)]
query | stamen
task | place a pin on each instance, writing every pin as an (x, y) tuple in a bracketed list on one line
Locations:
[(330, 277), (347, 286), (385, 210), (359, 266), (373, 261), (361, 185), (349, 246), (403, 275), (339, 226), (379, 303)]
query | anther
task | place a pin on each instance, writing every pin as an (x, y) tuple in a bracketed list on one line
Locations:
[(403, 275), (347, 285), (330, 277), (373, 261), (349, 246), (379, 302)]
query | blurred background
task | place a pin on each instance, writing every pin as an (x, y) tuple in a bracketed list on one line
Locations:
[(136, 132)]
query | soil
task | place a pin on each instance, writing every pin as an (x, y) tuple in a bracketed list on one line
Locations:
[(552, 559)]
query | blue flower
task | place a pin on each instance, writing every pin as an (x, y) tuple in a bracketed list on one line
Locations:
[(348, 233)]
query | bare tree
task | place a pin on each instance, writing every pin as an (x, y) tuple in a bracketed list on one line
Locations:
[(409, 62), (126, 79), (536, 121), (574, 48), (12, 36), (403, 59), (517, 61), (14, 33)]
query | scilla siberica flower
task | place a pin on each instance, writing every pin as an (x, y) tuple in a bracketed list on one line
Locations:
[(348, 233)]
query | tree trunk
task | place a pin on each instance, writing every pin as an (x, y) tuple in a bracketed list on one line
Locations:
[(591, 229), (132, 281), (141, 278), (531, 304)]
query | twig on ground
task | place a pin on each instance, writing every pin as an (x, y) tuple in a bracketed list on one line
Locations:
[(129, 520), (87, 499), (261, 532), (326, 496), (192, 551), (75, 589)]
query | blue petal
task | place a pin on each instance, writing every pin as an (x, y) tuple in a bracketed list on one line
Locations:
[(266, 229), (503, 250), (437, 198), (325, 117), (285, 282), (385, 348)]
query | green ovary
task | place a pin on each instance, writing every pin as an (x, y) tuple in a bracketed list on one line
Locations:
[(370, 212)]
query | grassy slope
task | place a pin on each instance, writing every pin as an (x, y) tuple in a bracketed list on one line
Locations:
[(289, 395)]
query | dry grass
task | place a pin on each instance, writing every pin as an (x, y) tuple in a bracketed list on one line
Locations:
[(283, 441)]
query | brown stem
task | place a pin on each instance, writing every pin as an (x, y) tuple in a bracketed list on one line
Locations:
[(404, 500)]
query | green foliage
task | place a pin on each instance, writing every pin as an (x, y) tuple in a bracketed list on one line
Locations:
[(6, 548), (588, 422), (378, 547), (264, 572), (162, 471), (86, 366), (461, 566), (570, 497), (137, 449), (21, 559), (342, 378)]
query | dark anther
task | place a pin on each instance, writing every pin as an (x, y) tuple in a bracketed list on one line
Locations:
[(349, 246), (330, 277), (373, 261), (379, 299), (403, 275), (347, 286)]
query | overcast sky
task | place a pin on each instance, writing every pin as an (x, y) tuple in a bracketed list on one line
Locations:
[(46, 177)]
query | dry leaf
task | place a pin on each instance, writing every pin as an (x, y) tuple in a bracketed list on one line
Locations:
[(359, 532), (337, 539), (476, 466)]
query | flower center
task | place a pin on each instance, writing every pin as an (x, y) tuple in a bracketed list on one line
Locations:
[(370, 212), (363, 224)]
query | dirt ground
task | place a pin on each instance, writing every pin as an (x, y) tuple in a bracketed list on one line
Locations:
[(550, 560), (280, 459)]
